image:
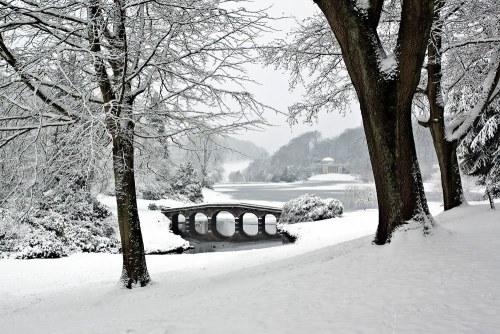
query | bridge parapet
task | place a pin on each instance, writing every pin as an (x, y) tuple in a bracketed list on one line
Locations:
[(238, 210)]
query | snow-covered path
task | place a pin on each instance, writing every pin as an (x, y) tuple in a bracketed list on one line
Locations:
[(445, 283)]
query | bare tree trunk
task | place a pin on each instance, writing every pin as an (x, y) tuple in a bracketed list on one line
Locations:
[(490, 198), (385, 101), (451, 181), (120, 125), (400, 191), (446, 151), (134, 260)]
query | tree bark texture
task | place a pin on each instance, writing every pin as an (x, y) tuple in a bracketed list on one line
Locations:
[(446, 151), (490, 198), (385, 101), (118, 111), (134, 260)]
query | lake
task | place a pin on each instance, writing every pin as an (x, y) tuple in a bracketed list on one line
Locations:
[(346, 188), (353, 193)]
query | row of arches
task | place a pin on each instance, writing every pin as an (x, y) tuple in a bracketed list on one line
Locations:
[(225, 223)]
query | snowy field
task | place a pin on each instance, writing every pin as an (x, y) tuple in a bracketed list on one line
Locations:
[(333, 280)]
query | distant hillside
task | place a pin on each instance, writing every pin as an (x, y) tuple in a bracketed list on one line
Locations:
[(301, 157), (237, 150)]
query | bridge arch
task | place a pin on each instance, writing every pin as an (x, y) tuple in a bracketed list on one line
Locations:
[(202, 224), (270, 222), (178, 224), (224, 223), (250, 224), (200, 221)]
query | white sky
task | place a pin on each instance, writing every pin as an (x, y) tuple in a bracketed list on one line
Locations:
[(273, 89)]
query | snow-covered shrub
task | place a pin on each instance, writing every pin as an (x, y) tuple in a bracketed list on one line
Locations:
[(151, 195), (153, 206), (42, 246), (60, 223), (236, 177), (307, 208), (291, 174), (186, 183), (73, 204)]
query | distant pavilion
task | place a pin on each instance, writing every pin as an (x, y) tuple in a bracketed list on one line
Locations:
[(329, 166)]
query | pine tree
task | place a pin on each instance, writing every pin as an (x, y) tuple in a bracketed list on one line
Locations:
[(480, 151), (186, 183)]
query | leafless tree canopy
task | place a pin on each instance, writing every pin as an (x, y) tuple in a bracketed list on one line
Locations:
[(73, 71), (110, 72)]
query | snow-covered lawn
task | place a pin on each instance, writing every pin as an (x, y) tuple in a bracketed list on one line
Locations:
[(332, 281)]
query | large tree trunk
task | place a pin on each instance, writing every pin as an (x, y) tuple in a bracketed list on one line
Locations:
[(385, 102), (400, 191), (446, 151), (134, 260)]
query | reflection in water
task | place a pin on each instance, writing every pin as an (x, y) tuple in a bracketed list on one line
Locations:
[(226, 226), (181, 223), (250, 224), (225, 223), (270, 225), (201, 223)]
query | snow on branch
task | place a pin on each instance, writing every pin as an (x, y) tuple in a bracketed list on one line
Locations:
[(459, 126)]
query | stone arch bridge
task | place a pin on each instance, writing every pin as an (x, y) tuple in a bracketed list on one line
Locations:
[(184, 223)]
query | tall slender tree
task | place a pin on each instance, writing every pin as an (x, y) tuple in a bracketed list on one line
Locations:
[(461, 54)]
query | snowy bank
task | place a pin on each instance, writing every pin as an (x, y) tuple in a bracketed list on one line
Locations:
[(155, 226)]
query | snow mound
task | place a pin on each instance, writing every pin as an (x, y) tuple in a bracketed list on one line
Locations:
[(155, 226), (388, 66)]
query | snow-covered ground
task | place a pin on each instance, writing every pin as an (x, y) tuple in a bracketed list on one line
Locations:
[(332, 281), (154, 225)]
